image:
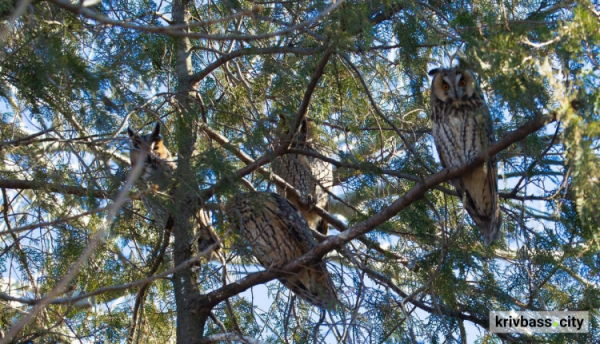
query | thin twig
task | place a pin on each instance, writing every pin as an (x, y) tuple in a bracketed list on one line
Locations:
[(178, 30), (61, 286)]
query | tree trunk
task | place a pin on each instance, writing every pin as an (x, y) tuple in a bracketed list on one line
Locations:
[(190, 323)]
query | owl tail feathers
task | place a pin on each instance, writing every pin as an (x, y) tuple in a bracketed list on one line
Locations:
[(315, 286), (490, 226)]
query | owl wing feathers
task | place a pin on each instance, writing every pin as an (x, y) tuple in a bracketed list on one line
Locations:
[(285, 215), (478, 188), (492, 220), (158, 173), (278, 234), (312, 178), (462, 129)]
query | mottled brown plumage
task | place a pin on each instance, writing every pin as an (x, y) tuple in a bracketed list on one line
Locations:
[(312, 177), (277, 233), (462, 128), (158, 173)]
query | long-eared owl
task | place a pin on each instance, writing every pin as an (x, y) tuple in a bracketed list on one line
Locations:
[(462, 128), (312, 177), (277, 234), (157, 170), (158, 173)]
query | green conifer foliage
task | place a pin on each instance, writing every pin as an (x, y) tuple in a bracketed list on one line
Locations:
[(82, 259)]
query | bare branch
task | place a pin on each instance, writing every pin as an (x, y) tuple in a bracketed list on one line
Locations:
[(24, 140), (77, 8), (281, 149)]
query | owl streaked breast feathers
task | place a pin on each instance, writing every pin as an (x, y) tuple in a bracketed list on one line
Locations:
[(312, 177), (277, 233), (158, 172), (462, 128)]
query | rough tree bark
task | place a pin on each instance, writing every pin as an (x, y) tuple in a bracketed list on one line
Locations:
[(190, 323)]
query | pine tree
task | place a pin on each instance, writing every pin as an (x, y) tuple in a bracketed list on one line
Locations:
[(230, 82)]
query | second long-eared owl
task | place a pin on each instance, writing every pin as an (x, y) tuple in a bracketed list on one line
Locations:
[(311, 176), (462, 128), (277, 234)]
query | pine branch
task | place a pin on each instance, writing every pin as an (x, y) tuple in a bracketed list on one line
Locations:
[(246, 52), (58, 188), (281, 149), (417, 192)]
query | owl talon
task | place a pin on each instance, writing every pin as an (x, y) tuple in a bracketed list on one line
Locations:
[(276, 266)]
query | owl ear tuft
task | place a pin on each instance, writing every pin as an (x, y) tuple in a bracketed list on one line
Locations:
[(282, 118), (473, 75), (304, 126), (156, 131), (433, 71)]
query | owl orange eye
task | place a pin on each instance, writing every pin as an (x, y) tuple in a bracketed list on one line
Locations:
[(445, 87), (462, 83)]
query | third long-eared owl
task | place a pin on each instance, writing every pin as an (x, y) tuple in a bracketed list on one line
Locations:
[(462, 128), (312, 177)]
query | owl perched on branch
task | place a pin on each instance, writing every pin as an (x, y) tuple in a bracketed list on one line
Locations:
[(312, 177), (158, 172), (278, 234), (462, 128)]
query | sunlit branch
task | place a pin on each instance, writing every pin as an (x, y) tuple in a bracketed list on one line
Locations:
[(414, 194), (246, 52), (58, 188), (177, 30)]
